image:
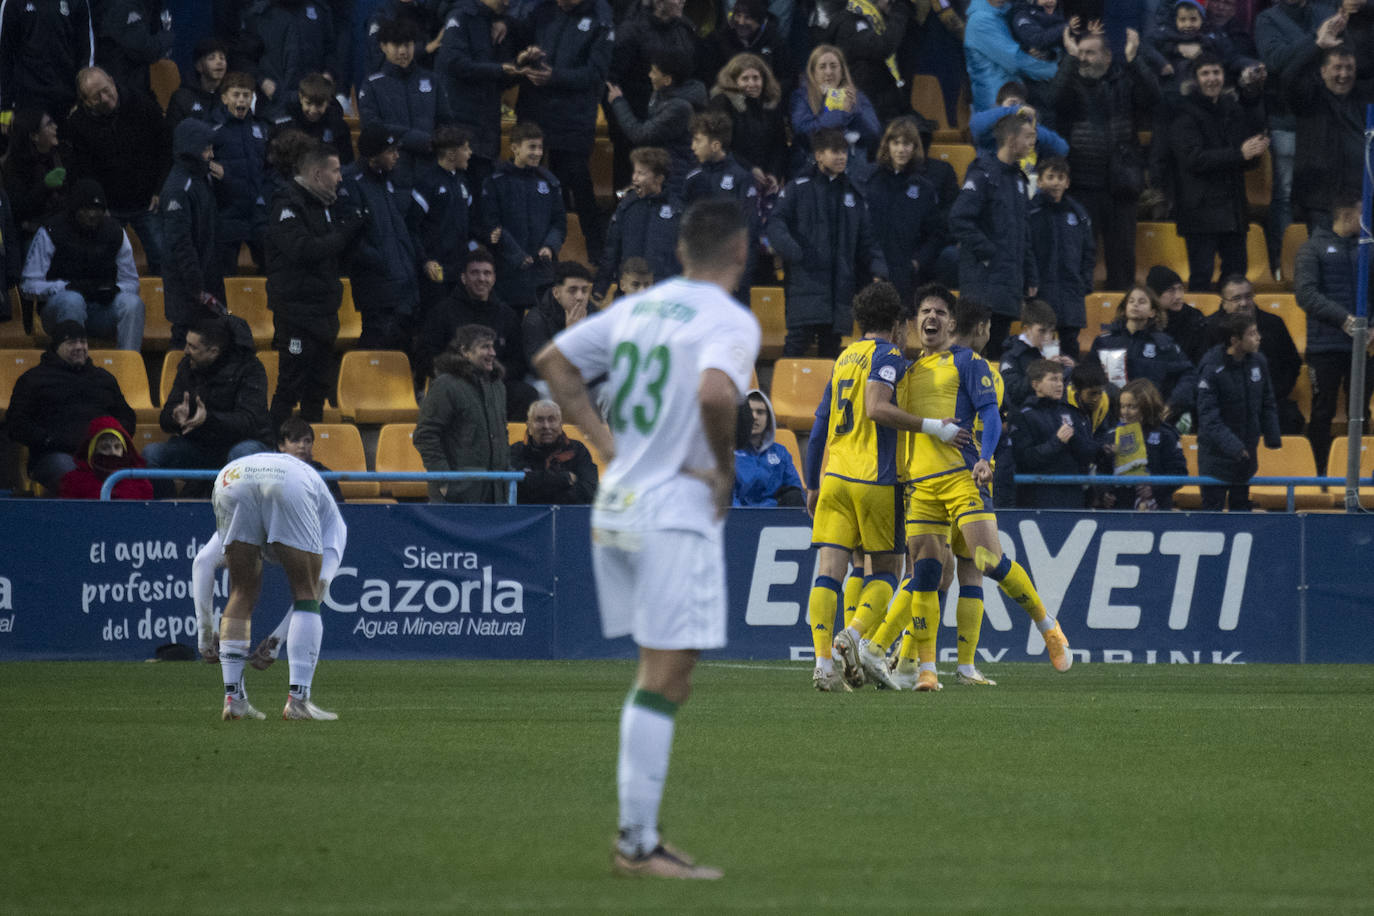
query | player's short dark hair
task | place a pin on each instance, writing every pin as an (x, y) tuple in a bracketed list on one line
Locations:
[(396, 31), (935, 291), (829, 139), (710, 227), (314, 156), (1341, 50), (1008, 127), (564, 271), (1043, 368), (1235, 324), (1088, 374), (525, 130), (1012, 88), (636, 267), (236, 79), (1055, 164), (878, 307), (214, 332), (653, 158), (450, 137), (714, 125), (479, 255), (968, 315), (293, 428), (1040, 312), (673, 62), (316, 87)]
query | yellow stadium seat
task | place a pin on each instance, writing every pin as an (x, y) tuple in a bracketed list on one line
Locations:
[(575, 244), (515, 432), (376, 386), (929, 99), (128, 369), (248, 300), (1335, 467), (1101, 309), (769, 307), (165, 78), (148, 433), (157, 330), (1292, 459), (350, 319), (1285, 305), (396, 452), (1257, 258), (339, 447), (788, 440), (14, 363), (170, 360), (958, 155), (1159, 243), (1259, 183), (1293, 238), (797, 388), (1188, 497), (1206, 303)]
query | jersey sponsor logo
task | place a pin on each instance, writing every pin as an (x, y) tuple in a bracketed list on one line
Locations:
[(64, 9), (752, 192), (913, 192), (727, 182), (542, 187), (584, 24), (861, 26), (295, 347), (985, 381), (773, 458), (1148, 351), (1330, 249), (452, 23), (197, 107), (425, 86), (848, 199), (286, 213)]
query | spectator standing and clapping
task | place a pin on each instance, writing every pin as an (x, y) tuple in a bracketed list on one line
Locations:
[(309, 235), (382, 267), (828, 99), (106, 449), (523, 218), (747, 91), (822, 231), (1098, 105), (558, 470), (462, 423), (1061, 234), (990, 222), (123, 144), (80, 267), (645, 222), (241, 192), (198, 93), (192, 278), (1236, 407), (566, 56), (53, 403), (675, 99), (907, 206)]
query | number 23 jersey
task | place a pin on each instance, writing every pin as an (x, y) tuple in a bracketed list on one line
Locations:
[(654, 346)]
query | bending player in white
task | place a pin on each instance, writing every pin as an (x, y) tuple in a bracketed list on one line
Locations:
[(275, 504), (679, 356)]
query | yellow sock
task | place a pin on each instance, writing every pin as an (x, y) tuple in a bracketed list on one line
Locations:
[(853, 588), (969, 616), (925, 622), (908, 653), (1014, 581), (897, 619), (873, 602), (820, 614)]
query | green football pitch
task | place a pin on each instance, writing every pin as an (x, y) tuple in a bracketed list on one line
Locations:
[(464, 787)]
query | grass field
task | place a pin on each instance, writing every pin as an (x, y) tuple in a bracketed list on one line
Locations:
[(464, 787)]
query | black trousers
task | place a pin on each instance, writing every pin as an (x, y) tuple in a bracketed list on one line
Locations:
[(1203, 248), (1215, 498), (1330, 375), (573, 170), (997, 336), (1114, 222), (798, 341), (305, 373)]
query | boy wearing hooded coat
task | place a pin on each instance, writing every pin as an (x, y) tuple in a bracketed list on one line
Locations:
[(106, 449)]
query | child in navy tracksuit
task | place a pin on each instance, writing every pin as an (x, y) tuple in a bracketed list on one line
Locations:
[(241, 149), (1051, 437), (1065, 253), (1038, 26), (1236, 407)]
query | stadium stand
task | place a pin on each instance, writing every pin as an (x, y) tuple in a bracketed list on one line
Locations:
[(14, 363), (375, 386), (248, 300), (768, 305), (929, 99), (339, 447), (797, 387), (1292, 459), (128, 369), (1335, 467), (396, 452)]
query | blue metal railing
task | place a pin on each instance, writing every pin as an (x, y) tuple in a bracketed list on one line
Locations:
[(427, 476), (1165, 480)]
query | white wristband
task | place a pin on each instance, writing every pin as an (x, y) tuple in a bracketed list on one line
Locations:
[(941, 430)]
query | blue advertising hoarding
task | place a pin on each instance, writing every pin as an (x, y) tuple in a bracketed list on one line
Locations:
[(112, 581)]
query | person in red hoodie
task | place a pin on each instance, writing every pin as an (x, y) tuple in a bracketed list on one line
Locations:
[(106, 449)]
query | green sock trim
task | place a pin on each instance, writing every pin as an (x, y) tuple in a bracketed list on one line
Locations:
[(655, 701), (306, 605)]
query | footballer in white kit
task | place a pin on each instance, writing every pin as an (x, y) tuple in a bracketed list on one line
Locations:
[(679, 357)]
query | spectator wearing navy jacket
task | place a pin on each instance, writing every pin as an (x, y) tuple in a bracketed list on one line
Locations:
[(441, 217), (1051, 437), (1236, 408), (645, 223), (241, 150), (475, 64), (719, 174), (907, 206), (316, 113), (403, 98), (523, 218), (1061, 234)]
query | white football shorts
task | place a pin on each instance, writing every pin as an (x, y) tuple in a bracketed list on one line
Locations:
[(666, 589), (270, 508)]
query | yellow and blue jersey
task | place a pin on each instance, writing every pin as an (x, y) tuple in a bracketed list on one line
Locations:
[(952, 383), (1000, 387), (860, 450)]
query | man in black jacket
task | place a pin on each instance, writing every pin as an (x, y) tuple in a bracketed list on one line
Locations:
[(1276, 345), (217, 408), (308, 236), (121, 142), (558, 470), (476, 63), (193, 286), (131, 36), (53, 403), (567, 302), (821, 229), (43, 45), (1235, 405), (751, 29)]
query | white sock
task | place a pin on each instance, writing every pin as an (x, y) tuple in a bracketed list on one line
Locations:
[(279, 634), (1044, 626), (827, 665), (968, 670), (646, 740), (303, 649), (232, 653), (854, 632), (927, 666)]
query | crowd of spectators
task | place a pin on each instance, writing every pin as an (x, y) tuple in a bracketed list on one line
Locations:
[(800, 112)]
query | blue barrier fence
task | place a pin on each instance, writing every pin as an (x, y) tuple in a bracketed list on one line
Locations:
[(107, 489), (112, 581)]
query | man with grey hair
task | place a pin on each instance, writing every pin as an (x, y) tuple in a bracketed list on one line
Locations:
[(558, 470)]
